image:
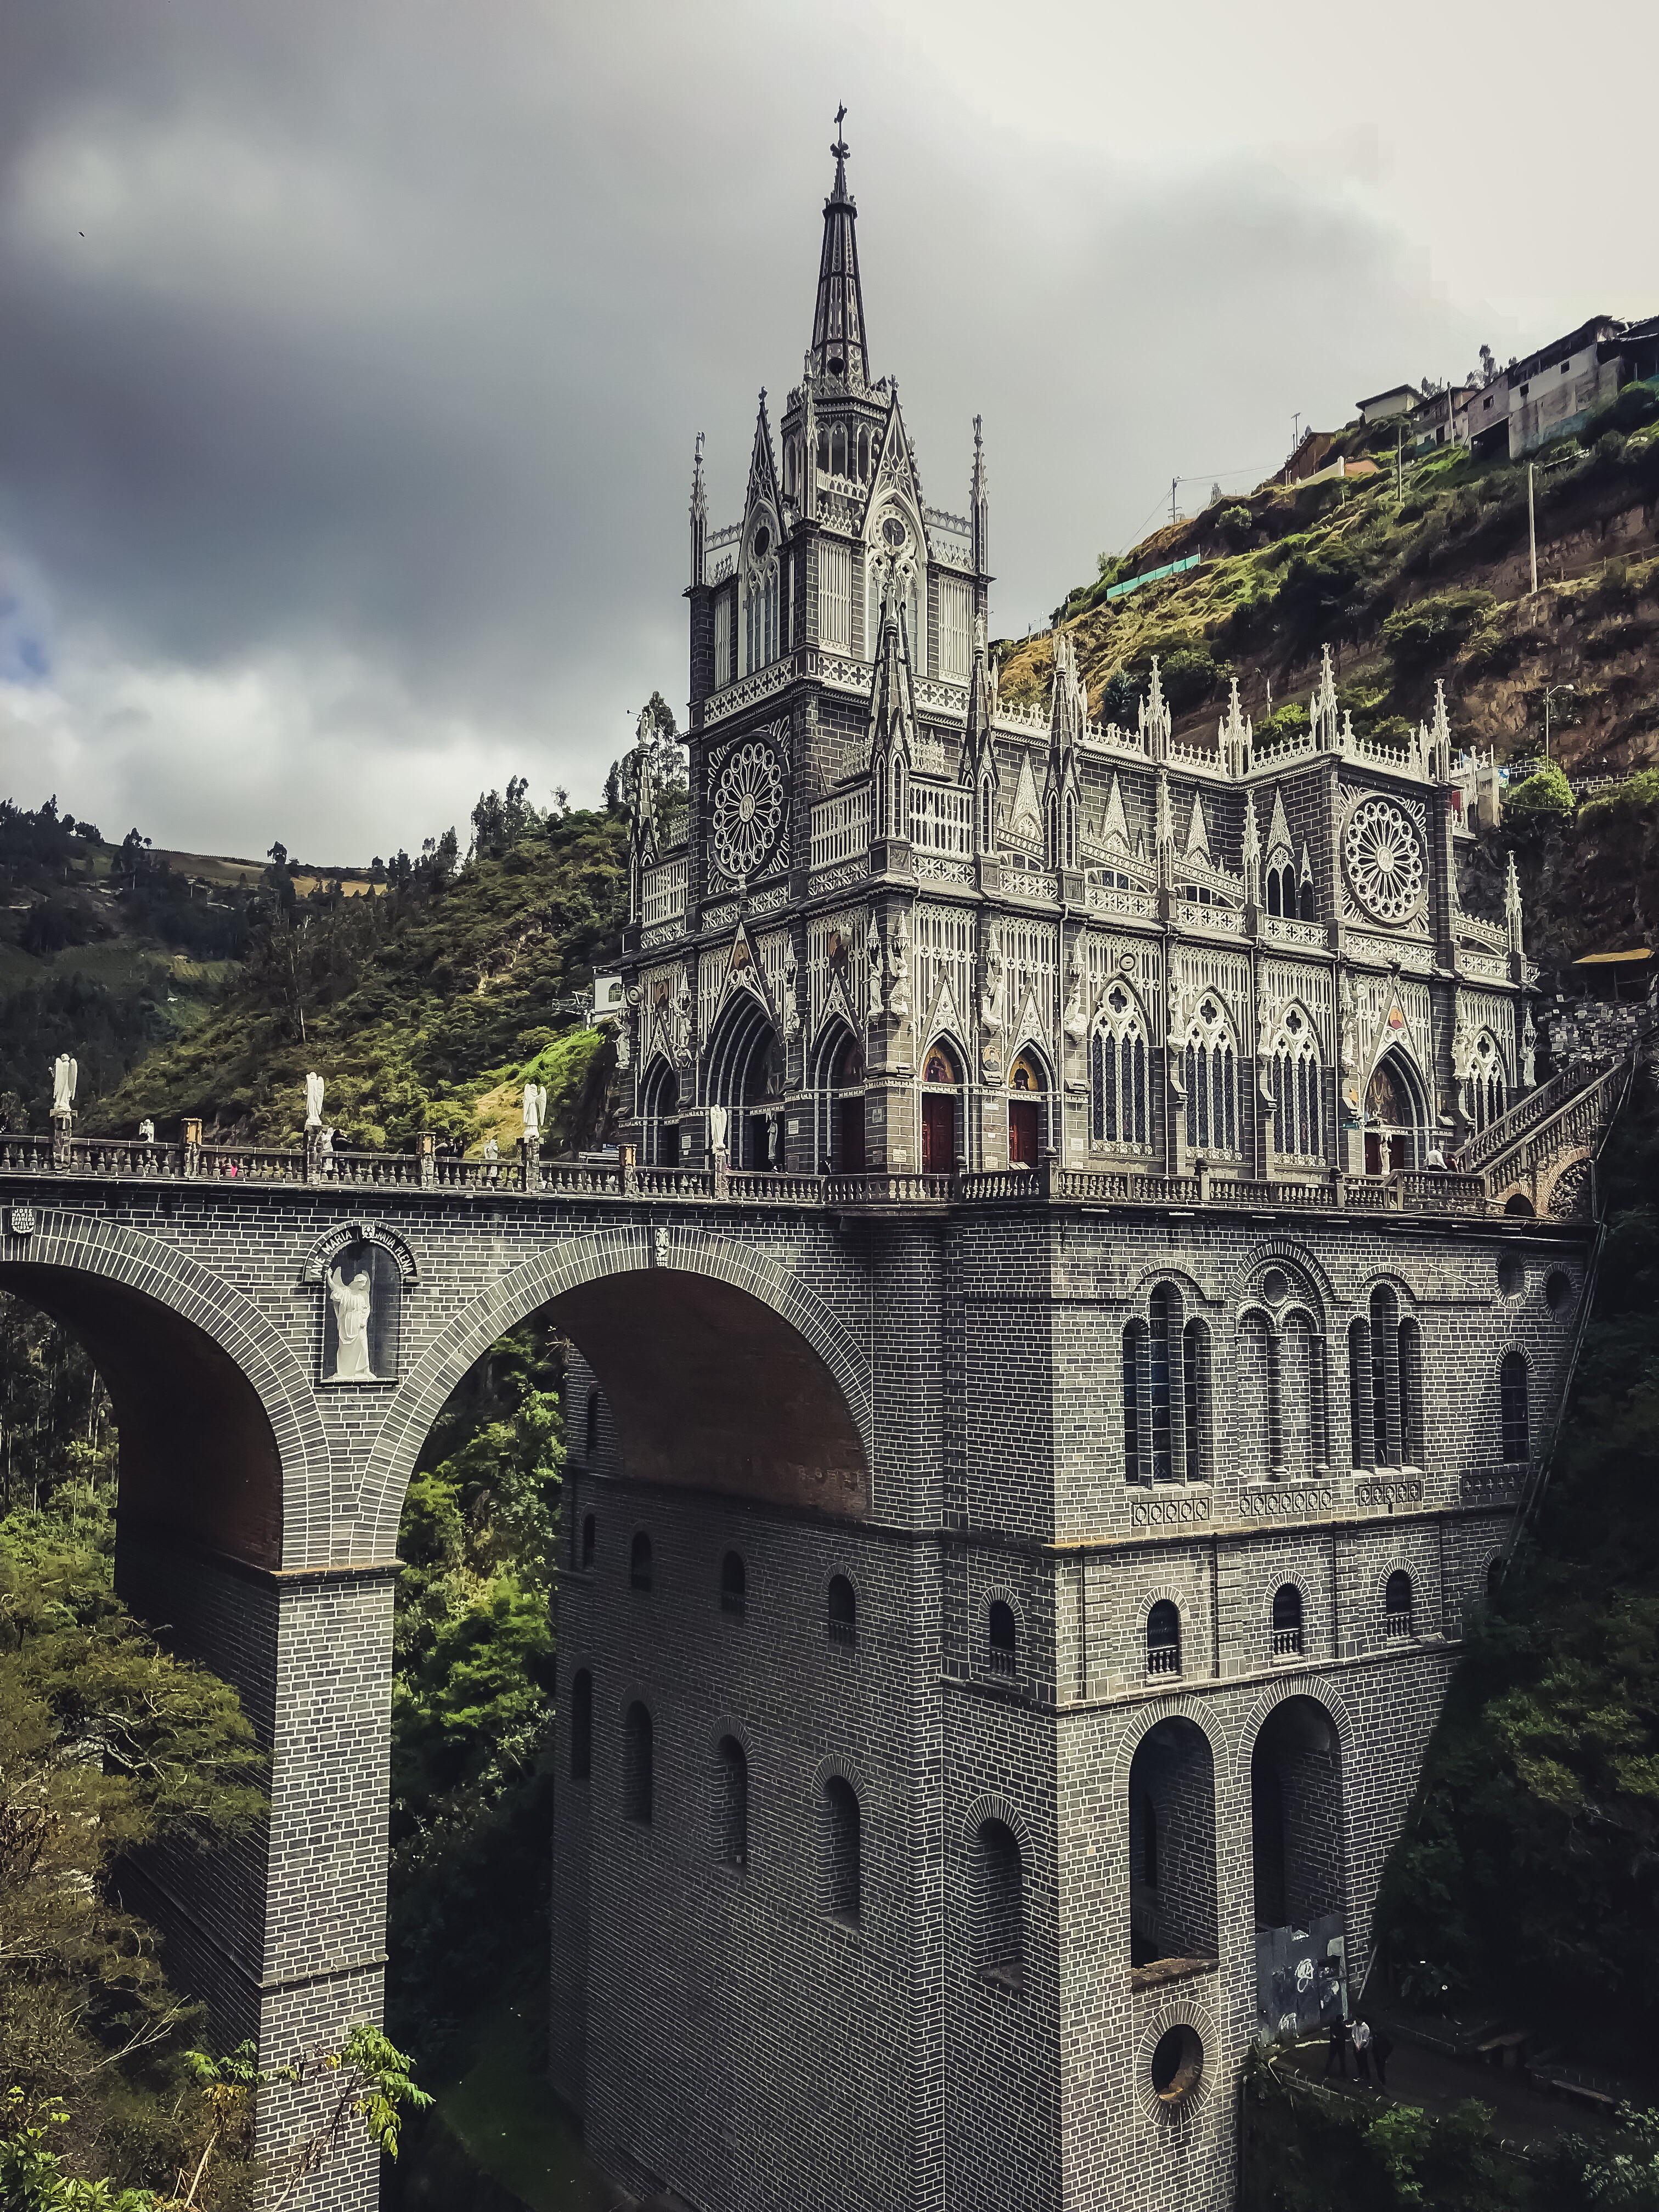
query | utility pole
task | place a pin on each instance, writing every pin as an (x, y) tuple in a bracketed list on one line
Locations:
[(1532, 541), (1399, 448), (1174, 481)]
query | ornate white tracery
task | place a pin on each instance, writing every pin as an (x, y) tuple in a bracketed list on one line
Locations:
[(1383, 854), (1119, 1058), (1298, 1117), (748, 808)]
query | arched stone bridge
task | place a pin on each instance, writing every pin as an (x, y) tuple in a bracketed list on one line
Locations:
[(862, 1371)]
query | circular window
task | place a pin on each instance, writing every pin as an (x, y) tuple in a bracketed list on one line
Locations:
[(762, 540), (894, 533), (1383, 855), (748, 808), (1177, 2065), (1559, 1295), (1511, 1275), (1275, 1286)]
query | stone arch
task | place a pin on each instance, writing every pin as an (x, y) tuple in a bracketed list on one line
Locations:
[(834, 1768), (1148, 1718), (1291, 1686), (1296, 1261), (801, 1366), (202, 1382), (991, 1805), (1294, 1769), (729, 1724), (1177, 1277)]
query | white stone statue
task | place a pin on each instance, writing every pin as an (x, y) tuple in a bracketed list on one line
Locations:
[(146, 1131), (682, 1023), (326, 1150), (351, 1301), (65, 1073), (1077, 1008), (1529, 1052), (873, 958), (535, 1111), (899, 998), (492, 1160), (718, 1120), (313, 1101)]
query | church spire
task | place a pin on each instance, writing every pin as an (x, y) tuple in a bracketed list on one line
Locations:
[(838, 319)]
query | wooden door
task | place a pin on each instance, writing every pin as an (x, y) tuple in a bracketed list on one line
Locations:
[(1373, 1152), (1024, 1125), (849, 1135), (938, 1134), (1397, 1159)]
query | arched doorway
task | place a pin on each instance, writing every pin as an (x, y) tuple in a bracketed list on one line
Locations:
[(1172, 1872), (941, 1109), (1297, 1857), (659, 1133), (744, 1072), (1394, 1117), (1027, 1084)]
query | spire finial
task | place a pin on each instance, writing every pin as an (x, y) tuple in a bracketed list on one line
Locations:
[(838, 321)]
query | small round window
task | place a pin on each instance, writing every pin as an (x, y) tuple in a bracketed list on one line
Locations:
[(1559, 1295), (1275, 1286), (1177, 2065), (1511, 1275)]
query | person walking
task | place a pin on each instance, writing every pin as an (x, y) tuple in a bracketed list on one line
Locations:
[(1336, 2055), (1361, 2039), (1381, 2052)]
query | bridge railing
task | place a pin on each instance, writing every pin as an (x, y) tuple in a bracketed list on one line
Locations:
[(1411, 1191)]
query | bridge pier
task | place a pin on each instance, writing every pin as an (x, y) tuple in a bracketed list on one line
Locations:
[(281, 1933)]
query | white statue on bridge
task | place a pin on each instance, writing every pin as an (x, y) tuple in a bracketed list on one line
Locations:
[(146, 1131), (65, 1073), (351, 1299), (535, 1111), (313, 1101)]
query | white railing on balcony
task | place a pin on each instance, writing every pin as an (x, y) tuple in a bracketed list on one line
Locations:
[(942, 818), (841, 828), (664, 898)]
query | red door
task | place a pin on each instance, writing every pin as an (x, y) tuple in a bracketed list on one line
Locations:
[(1397, 1159), (1373, 1152), (849, 1133), (1024, 1119), (939, 1134)]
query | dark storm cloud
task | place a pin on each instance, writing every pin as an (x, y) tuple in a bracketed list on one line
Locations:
[(353, 356)]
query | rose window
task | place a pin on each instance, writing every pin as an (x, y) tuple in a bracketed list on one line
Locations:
[(1383, 855), (748, 808)]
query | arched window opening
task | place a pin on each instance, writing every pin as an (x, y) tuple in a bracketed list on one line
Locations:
[(1195, 1383), (581, 1725), (732, 1802), (1512, 1381), (1302, 1395), (1394, 1119), (1494, 1578), (840, 1851), (844, 1620), (1068, 856), (734, 1586), (1003, 1637), (1296, 1824), (1398, 1611), (1119, 1103), (638, 1781), (838, 450), (1211, 1076), (591, 1431), (590, 1541), (999, 1905), (1158, 1395), (1387, 1433), (1298, 1115), (1487, 1084), (823, 450), (863, 457), (1308, 904), (1171, 1836), (1412, 1433), (744, 1072), (1163, 1639), (1287, 1621), (1275, 892), (987, 815), (639, 1561), (1137, 1464), (791, 454)]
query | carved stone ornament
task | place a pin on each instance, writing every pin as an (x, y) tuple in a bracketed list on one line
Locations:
[(898, 996), (1382, 855), (873, 960), (20, 1220), (1077, 1006), (747, 806)]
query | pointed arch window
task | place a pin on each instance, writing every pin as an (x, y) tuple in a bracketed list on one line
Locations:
[(1119, 1100), (838, 450), (1298, 1114), (987, 813), (863, 457), (1487, 1083), (1211, 1076)]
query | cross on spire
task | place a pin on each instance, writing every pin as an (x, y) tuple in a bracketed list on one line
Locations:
[(838, 348)]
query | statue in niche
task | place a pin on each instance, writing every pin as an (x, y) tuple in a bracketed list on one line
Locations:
[(899, 998), (65, 1074), (718, 1121), (352, 1297), (313, 1101)]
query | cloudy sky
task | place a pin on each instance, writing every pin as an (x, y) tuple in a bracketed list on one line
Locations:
[(351, 353)]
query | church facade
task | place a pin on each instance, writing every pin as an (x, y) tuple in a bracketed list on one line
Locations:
[(948, 1839)]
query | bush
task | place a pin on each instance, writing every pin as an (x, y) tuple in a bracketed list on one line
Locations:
[(1429, 634), (1545, 791), (1237, 527), (1633, 796), (1636, 406)]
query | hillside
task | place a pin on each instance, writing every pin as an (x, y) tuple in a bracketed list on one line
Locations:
[(424, 1007), (1430, 580)]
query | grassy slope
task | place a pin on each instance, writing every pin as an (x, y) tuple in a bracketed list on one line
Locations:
[(1346, 563), (431, 1004)]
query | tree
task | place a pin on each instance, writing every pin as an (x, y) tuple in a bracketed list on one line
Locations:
[(1545, 790)]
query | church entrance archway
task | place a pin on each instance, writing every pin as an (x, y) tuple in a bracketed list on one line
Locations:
[(941, 1110), (1394, 1117), (745, 1075), (1026, 1086)]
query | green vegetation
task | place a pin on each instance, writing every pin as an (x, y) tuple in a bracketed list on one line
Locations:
[(1529, 1876), (1406, 585), (1544, 791)]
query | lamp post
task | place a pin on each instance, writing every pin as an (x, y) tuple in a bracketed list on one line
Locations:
[(1552, 693)]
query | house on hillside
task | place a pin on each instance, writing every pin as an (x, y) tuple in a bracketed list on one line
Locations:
[(1443, 418), (1398, 399)]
